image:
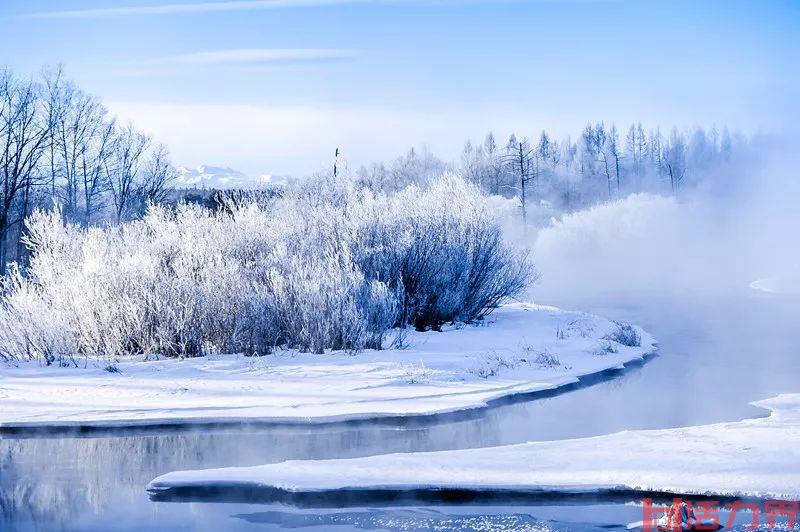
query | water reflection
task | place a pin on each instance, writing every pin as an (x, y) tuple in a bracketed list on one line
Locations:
[(583, 518), (409, 519)]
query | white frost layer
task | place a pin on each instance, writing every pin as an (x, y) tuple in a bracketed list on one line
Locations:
[(457, 369), (789, 285), (755, 457)]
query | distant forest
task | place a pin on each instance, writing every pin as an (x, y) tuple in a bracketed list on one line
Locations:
[(567, 175)]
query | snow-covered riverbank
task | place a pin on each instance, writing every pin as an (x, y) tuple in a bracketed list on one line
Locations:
[(520, 348), (754, 457)]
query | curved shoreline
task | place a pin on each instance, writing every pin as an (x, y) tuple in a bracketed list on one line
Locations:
[(239, 492), (522, 352), (754, 457), (166, 425)]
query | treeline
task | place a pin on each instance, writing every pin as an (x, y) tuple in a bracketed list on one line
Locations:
[(601, 164), (60, 146)]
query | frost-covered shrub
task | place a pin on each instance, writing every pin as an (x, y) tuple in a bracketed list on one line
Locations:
[(606, 347), (442, 249), (491, 364), (325, 266), (625, 334), (542, 359)]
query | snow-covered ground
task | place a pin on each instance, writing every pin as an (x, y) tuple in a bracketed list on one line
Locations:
[(755, 457), (520, 348), (789, 285)]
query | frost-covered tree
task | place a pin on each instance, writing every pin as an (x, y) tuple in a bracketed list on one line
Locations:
[(675, 160), (59, 146), (24, 135), (519, 160), (574, 174)]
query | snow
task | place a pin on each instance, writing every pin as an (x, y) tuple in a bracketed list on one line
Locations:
[(789, 285), (519, 348), (754, 457), (215, 177)]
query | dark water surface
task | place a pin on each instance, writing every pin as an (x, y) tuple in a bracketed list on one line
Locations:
[(716, 354)]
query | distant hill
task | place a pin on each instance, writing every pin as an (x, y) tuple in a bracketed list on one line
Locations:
[(221, 178)]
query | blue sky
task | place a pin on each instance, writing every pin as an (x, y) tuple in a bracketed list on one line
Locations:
[(274, 86)]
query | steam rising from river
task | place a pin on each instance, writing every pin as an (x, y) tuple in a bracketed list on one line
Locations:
[(738, 228), (682, 268)]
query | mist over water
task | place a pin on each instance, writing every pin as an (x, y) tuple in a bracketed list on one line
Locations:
[(682, 267), (735, 228)]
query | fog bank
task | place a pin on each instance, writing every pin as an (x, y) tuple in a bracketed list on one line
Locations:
[(736, 229)]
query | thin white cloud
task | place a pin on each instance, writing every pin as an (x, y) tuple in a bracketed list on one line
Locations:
[(248, 5), (197, 7), (251, 56)]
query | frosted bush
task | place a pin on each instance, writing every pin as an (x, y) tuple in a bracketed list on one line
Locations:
[(442, 249), (325, 266), (625, 334)]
